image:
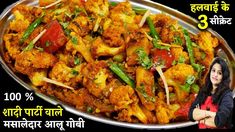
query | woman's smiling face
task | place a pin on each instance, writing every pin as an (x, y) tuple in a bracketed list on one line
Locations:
[(216, 74)]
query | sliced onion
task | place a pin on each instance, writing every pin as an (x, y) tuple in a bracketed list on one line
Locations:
[(159, 70), (52, 4), (146, 14), (39, 36), (97, 23), (56, 83)]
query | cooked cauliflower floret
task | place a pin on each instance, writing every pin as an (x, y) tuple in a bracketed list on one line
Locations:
[(19, 24), (81, 25), (207, 43), (66, 75), (76, 44), (179, 54), (95, 77), (122, 96), (132, 114), (123, 12), (114, 35), (164, 113), (37, 77), (99, 48), (176, 76), (97, 7)]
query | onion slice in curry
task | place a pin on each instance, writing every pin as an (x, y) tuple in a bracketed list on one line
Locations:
[(52, 4), (56, 83), (159, 70), (146, 14)]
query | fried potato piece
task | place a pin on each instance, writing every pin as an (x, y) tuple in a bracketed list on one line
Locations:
[(114, 34), (29, 61), (12, 44), (138, 40), (144, 87)]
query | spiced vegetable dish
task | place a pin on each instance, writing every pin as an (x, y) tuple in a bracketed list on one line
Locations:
[(109, 59)]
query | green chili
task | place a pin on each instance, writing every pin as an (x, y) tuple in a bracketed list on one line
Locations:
[(153, 31), (112, 3), (195, 88), (118, 58), (30, 29), (118, 71), (155, 35), (139, 10), (156, 45), (189, 46), (29, 46), (198, 67), (177, 40), (181, 59)]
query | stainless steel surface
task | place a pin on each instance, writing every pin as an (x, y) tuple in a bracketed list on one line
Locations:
[(184, 20)]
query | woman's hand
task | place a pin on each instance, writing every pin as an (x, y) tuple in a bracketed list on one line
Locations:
[(199, 114), (210, 113), (204, 116), (209, 122)]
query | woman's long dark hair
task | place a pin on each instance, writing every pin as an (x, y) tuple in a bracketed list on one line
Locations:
[(222, 87)]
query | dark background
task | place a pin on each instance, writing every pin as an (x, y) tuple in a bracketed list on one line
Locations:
[(7, 84)]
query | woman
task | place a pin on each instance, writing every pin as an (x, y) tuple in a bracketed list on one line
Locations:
[(213, 105)]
